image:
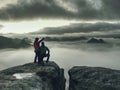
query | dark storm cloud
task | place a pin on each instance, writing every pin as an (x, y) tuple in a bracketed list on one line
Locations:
[(74, 9), (28, 9), (98, 9), (81, 28)]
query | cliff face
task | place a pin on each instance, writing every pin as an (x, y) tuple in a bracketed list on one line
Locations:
[(33, 77), (94, 78)]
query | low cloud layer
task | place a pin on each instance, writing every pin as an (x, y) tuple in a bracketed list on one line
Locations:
[(1, 26), (82, 28), (68, 9)]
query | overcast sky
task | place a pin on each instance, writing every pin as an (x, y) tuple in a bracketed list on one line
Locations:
[(82, 9), (21, 16)]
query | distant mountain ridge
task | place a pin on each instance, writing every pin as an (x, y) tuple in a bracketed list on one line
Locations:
[(94, 40), (6, 42)]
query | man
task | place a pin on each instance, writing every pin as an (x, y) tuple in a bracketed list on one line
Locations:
[(43, 51), (36, 46)]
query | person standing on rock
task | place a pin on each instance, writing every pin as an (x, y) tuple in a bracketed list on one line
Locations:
[(43, 51), (36, 46)]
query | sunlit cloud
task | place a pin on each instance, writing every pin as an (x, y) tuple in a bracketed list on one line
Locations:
[(68, 5), (82, 27), (5, 3), (95, 4), (58, 26), (32, 26), (24, 16)]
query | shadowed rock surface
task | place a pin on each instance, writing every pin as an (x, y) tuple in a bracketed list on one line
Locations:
[(32, 76), (94, 78)]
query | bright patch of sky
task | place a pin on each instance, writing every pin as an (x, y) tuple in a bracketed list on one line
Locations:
[(31, 26), (69, 6), (96, 4), (4, 3)]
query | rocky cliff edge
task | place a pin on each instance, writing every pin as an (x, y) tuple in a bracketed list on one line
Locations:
[(94, 78), (32, 76)]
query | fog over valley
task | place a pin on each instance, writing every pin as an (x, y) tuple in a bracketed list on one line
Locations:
[(77, 32)]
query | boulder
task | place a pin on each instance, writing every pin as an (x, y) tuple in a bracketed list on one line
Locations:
[(33, 76), (93, 78)]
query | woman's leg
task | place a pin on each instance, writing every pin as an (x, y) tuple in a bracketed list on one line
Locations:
[(36, 56)]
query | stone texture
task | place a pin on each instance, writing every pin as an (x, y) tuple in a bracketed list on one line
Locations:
[(94, 78), (48, 77)]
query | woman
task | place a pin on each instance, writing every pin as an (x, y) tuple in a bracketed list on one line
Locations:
[(36, 46)]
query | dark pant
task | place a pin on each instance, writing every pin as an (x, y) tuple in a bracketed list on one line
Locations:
[(36, 56), (41, 57)]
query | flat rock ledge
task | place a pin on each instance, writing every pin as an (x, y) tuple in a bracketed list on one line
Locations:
[(93, 78), (32, 76)]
